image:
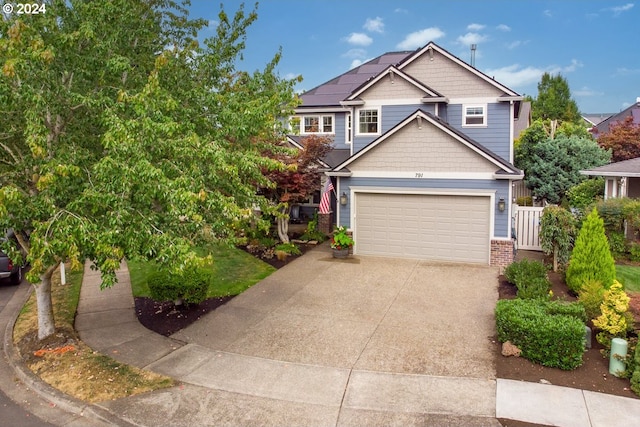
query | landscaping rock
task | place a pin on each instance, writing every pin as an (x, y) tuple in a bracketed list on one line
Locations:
[(509, 349)]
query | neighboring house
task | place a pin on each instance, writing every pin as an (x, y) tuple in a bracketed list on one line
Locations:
[(593, 119), (423, 160), (622, 179), (603, 127)]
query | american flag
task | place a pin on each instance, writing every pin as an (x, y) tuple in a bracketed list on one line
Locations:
[(325, 201)]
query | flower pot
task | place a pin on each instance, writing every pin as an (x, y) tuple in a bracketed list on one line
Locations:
[(340, 253)]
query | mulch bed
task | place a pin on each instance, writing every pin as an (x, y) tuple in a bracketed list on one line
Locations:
[(593, 375), (166, 319)]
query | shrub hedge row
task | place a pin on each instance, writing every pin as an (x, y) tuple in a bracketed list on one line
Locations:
[(550, 333), (530, 277)]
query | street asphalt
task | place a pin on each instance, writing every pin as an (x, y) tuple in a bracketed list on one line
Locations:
[(326, 342)]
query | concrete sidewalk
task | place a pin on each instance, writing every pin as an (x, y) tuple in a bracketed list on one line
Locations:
[(257, 360)]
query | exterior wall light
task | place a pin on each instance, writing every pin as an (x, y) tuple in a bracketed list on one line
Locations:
[(501, 204), (343, 199)]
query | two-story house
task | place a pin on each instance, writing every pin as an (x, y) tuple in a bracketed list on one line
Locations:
[(423, 156)]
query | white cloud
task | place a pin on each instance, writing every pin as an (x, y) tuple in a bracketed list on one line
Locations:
[(586, 91), (471, 38), (503, 27), (514, 44), (400, 10), (475, 27), (575, 64), (355, 53), (548, 13), (359, 39), (515, 76), (420, 38), (623, 71), (291, 76), (374, 25), (617, 10)]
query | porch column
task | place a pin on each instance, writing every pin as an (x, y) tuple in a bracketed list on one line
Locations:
[(324, 223)]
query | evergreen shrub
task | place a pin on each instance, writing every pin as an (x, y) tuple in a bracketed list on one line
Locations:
[(547, 332), (190, 286), (591, 258)]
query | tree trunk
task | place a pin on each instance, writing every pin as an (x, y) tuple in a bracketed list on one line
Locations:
[(283, 224), (46, 324), (555, 258)]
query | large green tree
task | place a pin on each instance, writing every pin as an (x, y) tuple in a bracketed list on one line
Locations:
[(129, 144), (554, 165), (554, 101)]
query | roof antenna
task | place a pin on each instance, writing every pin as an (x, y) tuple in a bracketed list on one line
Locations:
[(473, 54)]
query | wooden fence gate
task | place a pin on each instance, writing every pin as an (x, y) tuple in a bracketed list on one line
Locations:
[(527, 227)]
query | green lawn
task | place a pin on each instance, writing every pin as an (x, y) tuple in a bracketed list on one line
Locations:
[(629, 276), (234, 271)]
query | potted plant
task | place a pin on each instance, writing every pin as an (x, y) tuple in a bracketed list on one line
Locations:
[(341, 242)]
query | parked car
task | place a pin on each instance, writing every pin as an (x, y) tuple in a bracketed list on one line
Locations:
[(8, 269)]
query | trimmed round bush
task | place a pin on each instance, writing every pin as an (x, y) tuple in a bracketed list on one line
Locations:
[(190, 286), (548, 333)]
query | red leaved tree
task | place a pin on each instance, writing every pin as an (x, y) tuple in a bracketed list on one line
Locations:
[(298, 180), (623, 139)]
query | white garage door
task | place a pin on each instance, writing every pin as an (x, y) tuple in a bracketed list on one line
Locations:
[(434, 227)]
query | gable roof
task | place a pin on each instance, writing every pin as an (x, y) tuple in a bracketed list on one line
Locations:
[(633, 110), (504, 168), (431, 45), (343, 87), (628, 168), (394, 71), (339, 88)]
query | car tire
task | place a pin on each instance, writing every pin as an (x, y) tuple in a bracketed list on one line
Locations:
[(16, 279)]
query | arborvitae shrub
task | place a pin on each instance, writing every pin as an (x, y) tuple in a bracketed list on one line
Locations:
[(591, 258)]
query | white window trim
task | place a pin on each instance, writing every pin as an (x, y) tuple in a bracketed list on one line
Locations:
[(320, 122), (484, 115), (348, 128), (357, 121)]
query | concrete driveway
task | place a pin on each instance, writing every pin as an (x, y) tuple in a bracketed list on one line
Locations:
[(367, 313)]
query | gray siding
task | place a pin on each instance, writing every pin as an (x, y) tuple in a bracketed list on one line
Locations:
[(501, 221), (496, 136)]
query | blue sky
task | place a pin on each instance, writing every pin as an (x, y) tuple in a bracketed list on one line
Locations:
[(593, 44)]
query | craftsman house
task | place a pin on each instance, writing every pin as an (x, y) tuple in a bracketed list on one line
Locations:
[(423, 156)]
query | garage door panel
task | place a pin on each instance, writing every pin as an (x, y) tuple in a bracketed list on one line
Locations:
[(450, 228)]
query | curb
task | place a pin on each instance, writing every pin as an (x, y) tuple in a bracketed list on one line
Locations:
[(54, 397)]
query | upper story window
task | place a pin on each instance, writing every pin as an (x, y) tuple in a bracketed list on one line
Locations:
[(368, 121), (317, 124), (348, 130), (474, 115)]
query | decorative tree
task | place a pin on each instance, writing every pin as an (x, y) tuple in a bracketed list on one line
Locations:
[(555, 164), (615, 318), (591, 258), (121, 144), (298, 180), (557, 231), (623, 139)]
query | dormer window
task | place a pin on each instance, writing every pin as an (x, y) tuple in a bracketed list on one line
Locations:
[(317, 124), (474, 115)]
